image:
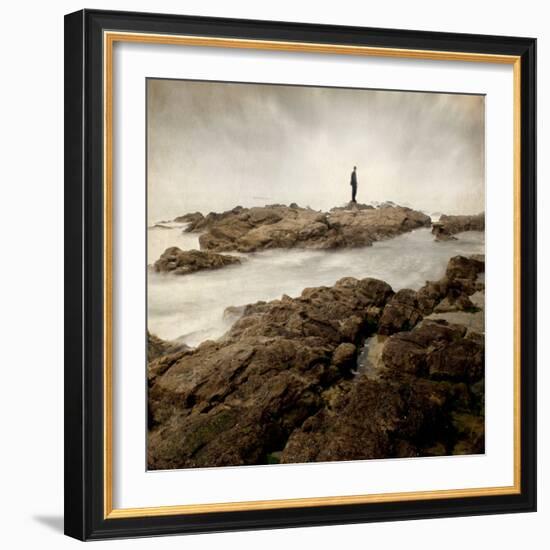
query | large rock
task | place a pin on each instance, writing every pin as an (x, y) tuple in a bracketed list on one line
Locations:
[(426, 397), (380, 419), (179, 262), (279, 226), (426, 401), (447, 226), (463, 277), (236, 400), (402, 312), (280, 386), (438, 350)]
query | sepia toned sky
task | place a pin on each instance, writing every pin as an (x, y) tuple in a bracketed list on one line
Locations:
[(213, 146)]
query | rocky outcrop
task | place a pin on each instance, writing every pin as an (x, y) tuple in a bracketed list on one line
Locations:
[(401, 313), (157, 347), (425, 403), (447, 226), (463, 278), (180, 262), (427, 397), (236, 400), (279, 226), (382, 418), (281, 385)]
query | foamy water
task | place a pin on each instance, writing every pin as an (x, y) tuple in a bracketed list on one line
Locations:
[(191, 307)]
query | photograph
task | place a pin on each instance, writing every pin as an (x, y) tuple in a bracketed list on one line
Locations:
[(315, 274)]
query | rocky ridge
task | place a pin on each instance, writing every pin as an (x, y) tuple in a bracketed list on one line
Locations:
[(279, 226), (281, 385)]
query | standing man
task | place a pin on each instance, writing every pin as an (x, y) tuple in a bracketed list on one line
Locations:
[(353, 184)]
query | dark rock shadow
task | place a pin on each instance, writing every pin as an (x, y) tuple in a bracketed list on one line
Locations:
[(55, 523)]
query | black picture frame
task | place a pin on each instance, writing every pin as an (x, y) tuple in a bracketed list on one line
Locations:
[(84, 281)]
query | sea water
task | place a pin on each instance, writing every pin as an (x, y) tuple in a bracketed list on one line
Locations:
[(190, 308)]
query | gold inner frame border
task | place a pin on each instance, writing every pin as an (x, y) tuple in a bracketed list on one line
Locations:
[(109, 39)]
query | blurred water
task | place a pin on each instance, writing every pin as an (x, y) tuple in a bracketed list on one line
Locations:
[(166, 234), (191, 307)]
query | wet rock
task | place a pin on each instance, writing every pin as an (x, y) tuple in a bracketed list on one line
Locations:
[(192, 218), (461, 267), (179, 262), (426, 397), (458, 303), (375, 419), (447, 226), (280, 385), (463, 278), (235, 401), (344, 355), (409, 352), (402, 312), (431, 294), (460, 360), (157, 347), (279, 226)]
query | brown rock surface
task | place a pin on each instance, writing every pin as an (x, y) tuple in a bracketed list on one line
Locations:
[(379, 419), (279, 386), (236, 400), (425, 397), (180, 262), (157, 347), (279, 226), (402, 312), (447, 226)]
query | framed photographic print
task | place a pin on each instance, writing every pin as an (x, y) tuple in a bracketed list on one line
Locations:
[(300, 274)]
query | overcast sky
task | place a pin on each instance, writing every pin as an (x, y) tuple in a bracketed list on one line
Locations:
[(212, 146)]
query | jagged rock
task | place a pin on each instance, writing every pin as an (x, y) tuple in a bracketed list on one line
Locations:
[(344, 354), (279, 226), (431, 294), (157, 347), (461, 360), (161, 363), (402, 312), (193, 218), (174, 260), (161, 355), (408, 351), (236, 400), (460, 267), (450, 294), (460, 303), (463, 277), (279, 386), (447, 226), (376, 419), (438, 350)]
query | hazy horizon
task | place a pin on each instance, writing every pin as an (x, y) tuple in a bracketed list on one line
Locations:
[(212, 146)]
